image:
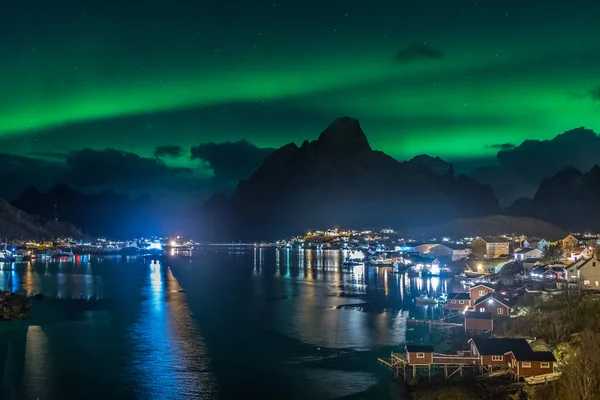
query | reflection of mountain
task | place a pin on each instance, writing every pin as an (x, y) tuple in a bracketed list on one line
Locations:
[(338, 180)]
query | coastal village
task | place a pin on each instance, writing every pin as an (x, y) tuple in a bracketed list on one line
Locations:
[(507, 279), (504, 279)]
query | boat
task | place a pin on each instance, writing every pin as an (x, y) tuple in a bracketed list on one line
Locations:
[(131, 248), (6, 255), (62, 252), (382, 261), (424, 299), (353, 263)]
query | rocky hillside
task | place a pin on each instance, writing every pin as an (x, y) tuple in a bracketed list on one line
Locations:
[(338, 180), (103, 214), (16, 224), (570, 199)]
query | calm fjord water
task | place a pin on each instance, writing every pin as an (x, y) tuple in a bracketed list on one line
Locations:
[(218, 324)]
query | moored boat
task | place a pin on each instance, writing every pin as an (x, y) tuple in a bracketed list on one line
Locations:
[(425, 300)]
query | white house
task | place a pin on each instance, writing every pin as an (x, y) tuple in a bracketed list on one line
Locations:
[(449, 251), (541, 244), (585, 272), (580, 253), (524, 254)]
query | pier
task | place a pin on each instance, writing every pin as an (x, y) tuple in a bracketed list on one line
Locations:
[(451, 364)]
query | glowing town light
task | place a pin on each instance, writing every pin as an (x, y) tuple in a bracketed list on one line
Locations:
[(173, 243), (155, 246)]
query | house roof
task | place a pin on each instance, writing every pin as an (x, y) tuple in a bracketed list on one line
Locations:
[(459, 296), (489, 239), (492, 297), (557, 269), (414, 348), (484, 285), (531, 260), (454, 246), (522, 354), (582, 263), (528, 250), (478, 315), (494, 347)]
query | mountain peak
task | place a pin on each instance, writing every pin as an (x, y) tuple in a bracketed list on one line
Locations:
[(344, 134), (433, 164), (338, 180)]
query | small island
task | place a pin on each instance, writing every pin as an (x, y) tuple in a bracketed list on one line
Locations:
[(13, 305)]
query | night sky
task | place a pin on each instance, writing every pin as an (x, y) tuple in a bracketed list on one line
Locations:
[(459, 79)]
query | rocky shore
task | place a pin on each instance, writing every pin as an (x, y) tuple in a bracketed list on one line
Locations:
[(13, 305)]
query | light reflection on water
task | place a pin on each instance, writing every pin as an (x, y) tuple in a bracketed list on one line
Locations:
[(257, 322), (168, 346)]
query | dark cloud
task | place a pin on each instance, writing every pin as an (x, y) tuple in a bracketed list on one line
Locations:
[(501, 146), (118, 168), (231, 161), (539, 159), (418, 51), (595, 93), (168, 151)]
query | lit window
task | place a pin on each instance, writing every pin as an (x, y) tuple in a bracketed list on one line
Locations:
[(545, 365), (500, 311), (497, 358), (420, 355), (482, 292), (586, 283), (482, 309), (453, 301), (461, 302), (526, 365)]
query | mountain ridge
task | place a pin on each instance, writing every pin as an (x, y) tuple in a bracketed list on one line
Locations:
[(339, 179), (569, 199)]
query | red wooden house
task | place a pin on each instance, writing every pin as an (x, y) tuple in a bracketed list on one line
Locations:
[(492, 303), (531, 363), (493, 351), (458, 301), (419, 354), (478, 291), (479, 321)]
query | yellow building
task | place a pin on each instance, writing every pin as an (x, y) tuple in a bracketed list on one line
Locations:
[(569, 243), (491, 248)]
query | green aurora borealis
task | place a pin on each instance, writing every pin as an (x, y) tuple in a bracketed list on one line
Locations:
[(133, 77)]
